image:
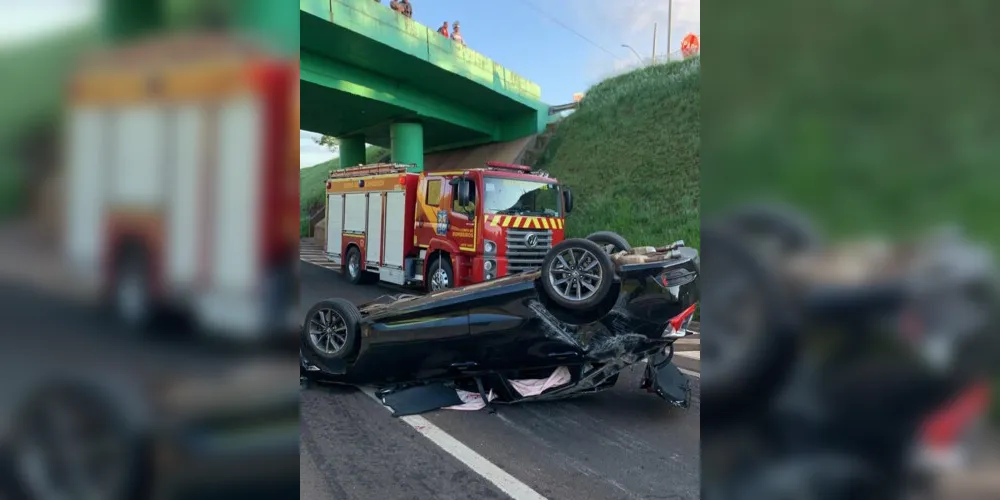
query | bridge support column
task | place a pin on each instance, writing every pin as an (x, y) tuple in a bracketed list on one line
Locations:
[(352, 151), (407, 144), (127, 19)]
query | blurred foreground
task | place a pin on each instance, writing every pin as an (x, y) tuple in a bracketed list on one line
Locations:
[(871, 118), (148, 257), (858, 369)]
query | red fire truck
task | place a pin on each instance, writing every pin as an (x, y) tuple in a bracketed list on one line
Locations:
[(442, 229), (182, 188)]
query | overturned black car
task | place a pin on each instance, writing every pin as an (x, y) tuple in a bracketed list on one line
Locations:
[(595, 307)]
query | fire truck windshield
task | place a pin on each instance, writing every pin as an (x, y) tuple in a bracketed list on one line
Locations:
[(519, 197)]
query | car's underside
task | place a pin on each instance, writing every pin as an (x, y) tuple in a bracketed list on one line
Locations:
[(507, 341)]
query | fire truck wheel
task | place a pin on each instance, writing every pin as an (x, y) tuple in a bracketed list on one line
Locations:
[(577, 274), (132, 300), (331, 329), (352, 266), (612, 242), (440, 275)]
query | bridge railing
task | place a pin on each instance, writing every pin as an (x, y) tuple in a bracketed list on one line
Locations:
[(379, 22)]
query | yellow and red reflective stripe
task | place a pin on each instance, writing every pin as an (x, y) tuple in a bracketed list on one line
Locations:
[(522, 222)]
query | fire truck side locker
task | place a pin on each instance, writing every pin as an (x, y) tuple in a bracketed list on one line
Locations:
[(373, 242), (335, 228), (393, 270), (355, 206), (355, 219)]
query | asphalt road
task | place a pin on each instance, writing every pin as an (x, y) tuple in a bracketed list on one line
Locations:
[(620, 444)]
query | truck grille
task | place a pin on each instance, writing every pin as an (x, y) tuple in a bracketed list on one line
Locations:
[(522, 257)]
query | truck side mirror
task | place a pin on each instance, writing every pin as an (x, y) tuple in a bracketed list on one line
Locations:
[(567, 200), (463, 192)]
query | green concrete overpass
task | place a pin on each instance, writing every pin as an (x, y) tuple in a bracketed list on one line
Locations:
[(370, 75)]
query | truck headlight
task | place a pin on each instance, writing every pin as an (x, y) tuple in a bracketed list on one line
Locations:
[(488, 265), (489, 246)]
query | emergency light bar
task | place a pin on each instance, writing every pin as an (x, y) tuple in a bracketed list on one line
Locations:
[(508, 166)]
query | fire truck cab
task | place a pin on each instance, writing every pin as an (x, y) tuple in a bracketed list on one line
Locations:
[(439, 230)]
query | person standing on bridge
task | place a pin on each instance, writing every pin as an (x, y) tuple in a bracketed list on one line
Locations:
[(444, 29), (394, 5), (407, 9), (456, 34)]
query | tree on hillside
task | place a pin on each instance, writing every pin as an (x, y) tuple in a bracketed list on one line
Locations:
[(327, 141)]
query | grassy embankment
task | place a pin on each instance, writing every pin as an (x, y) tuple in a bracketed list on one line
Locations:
[(311, 184), (31, 96), (630, 154)]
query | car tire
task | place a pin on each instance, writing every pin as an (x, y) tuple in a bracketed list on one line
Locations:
[(775, 227), (30, 457), (584, 288), (332, 330), (612, 242), (440, 268), (352, 266), (741, 369)]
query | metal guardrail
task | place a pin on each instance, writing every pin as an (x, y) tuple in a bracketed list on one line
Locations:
[(314, 219), (563, 107)]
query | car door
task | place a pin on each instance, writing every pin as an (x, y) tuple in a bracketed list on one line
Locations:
[(429, 223)]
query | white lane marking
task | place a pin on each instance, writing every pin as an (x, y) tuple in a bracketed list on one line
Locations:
[(689, 354), (479, 464), (689, 372)]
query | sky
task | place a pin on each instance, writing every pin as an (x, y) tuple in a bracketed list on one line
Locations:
[(564, 46), (20, 20)]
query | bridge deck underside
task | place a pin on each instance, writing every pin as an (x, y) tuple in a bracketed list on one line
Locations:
[(337, 113), (355, 84)]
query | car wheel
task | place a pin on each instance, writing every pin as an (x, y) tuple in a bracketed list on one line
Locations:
[(441, 275), (331, 329), (611, 242), (132, 298), (577, 274), (352, 265), (69, 442), (746, 326), (774, 229)]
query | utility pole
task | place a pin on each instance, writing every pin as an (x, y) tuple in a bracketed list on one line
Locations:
[(653, 60), (670, 22)]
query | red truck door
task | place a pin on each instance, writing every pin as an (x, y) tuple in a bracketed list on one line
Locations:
[(461, 219)]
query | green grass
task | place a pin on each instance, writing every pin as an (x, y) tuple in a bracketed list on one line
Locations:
[(31, 95), (312, 184), (630, 153), (35, 74), (11, 191)]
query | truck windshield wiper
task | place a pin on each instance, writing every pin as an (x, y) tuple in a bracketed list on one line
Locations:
[(511, 211)]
